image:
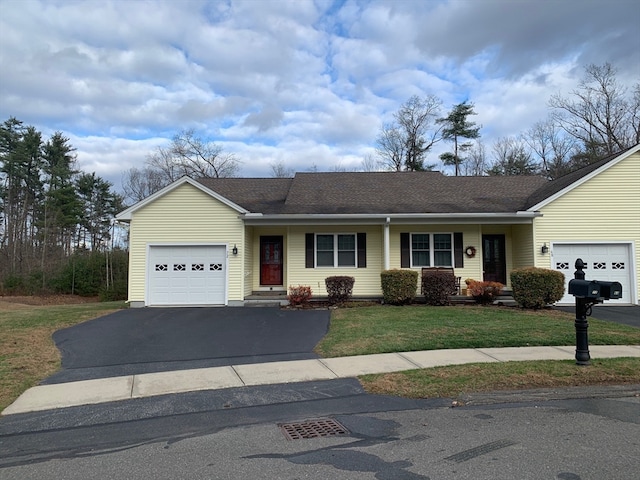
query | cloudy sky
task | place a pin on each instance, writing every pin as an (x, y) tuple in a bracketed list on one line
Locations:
[(302, 82)]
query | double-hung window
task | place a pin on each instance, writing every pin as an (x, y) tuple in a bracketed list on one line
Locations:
[(336, 249), (431, 249)]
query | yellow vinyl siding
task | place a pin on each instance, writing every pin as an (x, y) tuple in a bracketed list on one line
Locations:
[(604, 208), (522, 246), (185, 215), (367, 280)]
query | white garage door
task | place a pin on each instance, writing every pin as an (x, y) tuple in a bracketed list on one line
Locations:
[(187, 275), (608, 262)]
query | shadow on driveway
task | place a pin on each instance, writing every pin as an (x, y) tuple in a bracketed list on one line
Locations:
[(160, 339)]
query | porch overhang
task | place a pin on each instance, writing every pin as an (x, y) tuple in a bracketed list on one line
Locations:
[(509, 218)]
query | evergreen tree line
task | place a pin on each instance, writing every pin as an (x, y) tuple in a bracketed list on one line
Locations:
[(54, 218)]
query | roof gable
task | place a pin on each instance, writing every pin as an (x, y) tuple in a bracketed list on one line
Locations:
[(559, 187), (127, 214)]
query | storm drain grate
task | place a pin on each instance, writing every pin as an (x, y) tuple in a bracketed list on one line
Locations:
[(325, 427)]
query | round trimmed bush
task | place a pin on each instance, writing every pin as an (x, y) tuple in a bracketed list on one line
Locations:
[(536, 287), (399, 286)]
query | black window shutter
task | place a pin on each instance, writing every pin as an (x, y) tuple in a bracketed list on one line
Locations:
[(458, 250), (405, 251), (309, 239), (362, 250)]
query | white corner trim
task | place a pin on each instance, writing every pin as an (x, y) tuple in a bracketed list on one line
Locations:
[(126, 215), (584, 179)]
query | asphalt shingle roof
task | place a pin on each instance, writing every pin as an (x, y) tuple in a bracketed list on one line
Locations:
[(406, 192), (260, 195), (377, 193), (392, 192)]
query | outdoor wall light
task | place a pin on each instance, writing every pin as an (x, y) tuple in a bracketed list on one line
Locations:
[(235, 249), (545, 249)]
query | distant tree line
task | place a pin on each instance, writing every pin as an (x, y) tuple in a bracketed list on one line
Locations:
[(600, 117), (52, 215)]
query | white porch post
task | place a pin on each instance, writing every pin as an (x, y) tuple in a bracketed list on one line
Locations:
[(385, 246)]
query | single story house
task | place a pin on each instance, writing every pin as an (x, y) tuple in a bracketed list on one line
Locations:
[(218, 241)]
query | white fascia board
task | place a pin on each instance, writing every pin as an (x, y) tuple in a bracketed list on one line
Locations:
[(379, 219), (126, 215), (584, 179)]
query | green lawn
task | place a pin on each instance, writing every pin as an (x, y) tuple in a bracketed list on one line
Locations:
[(381, 329), (27, 351), (456, 380)]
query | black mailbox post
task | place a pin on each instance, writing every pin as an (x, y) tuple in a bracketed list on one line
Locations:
[(588, 293)]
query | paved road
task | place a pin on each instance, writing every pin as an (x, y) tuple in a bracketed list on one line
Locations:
[(160, 339), (561, 435)]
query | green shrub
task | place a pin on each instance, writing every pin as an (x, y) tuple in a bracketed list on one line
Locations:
[(117, 291), (299, 295), (536, 287), (399, 286), (483, 293), (91, 274), (339, 288), (437, 286), (13, 285)]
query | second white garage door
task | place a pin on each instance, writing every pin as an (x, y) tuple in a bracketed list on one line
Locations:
[(609, 262), (187, 275)]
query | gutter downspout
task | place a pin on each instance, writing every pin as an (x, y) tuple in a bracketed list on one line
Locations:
[(386, 243)]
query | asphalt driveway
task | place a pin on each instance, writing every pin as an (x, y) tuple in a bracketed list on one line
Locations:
[(160, 339), (626, 315)]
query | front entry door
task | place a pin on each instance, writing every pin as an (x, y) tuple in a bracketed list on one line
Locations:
[(271, 260), (494, 263)]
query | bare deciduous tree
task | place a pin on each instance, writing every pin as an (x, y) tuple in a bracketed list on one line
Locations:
[(511, 157), (187, 154), (138, 184), (280, 170), (475, 163), (553, 148), (599, 113), (404, 144), (391, 148), (369, 163), (191, 155)]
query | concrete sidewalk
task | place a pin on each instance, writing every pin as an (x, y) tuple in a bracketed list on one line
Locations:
[(61, 395)]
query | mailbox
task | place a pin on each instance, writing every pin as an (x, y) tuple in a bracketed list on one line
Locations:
[(584, 289), (610, 290)]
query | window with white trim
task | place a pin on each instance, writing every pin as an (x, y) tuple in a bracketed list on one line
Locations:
[(336, 249), (431, 249)]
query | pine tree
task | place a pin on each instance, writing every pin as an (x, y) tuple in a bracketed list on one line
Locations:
[(456, 127)]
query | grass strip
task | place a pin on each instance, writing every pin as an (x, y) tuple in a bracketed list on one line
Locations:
[(27, 351), (453, 381), (383, 329)]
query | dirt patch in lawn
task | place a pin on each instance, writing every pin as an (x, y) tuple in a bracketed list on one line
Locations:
[(10, 302)]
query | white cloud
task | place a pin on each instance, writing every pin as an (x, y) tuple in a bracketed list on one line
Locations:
[(305, 82)]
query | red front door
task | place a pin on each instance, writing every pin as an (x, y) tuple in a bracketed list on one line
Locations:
[(271, 260)]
